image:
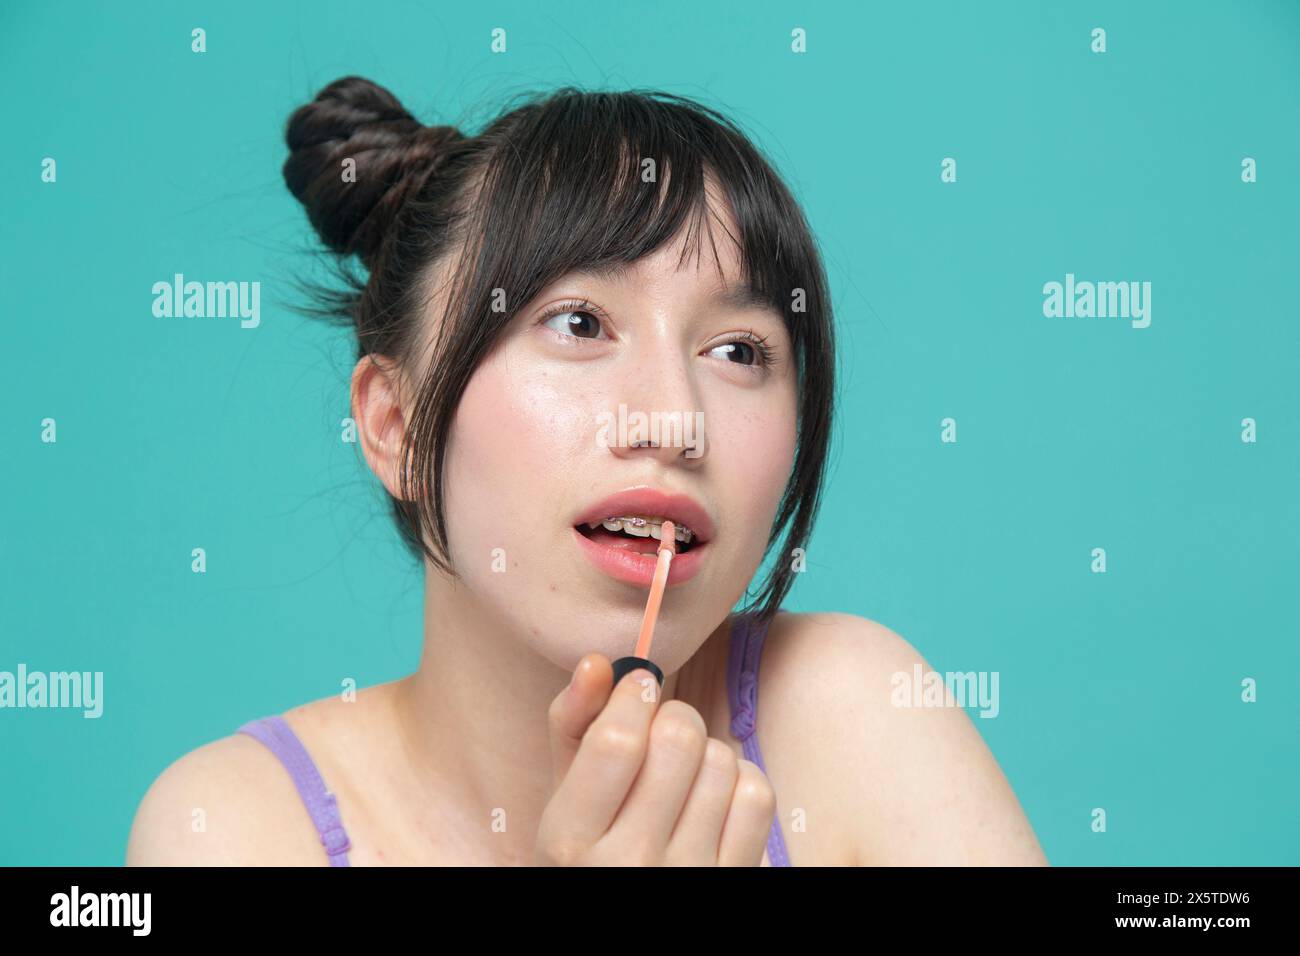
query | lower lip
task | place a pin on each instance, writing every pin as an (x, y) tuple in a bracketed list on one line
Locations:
[(639, 569)]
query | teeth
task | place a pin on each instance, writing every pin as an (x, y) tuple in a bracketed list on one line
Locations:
[(642, 527)]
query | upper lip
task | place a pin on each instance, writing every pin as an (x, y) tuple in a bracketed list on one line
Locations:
[(681, 510)]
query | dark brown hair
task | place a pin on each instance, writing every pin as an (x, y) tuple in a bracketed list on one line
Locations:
[(552, 185)]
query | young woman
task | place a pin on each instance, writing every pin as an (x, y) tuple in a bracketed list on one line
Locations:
[(586, 258)]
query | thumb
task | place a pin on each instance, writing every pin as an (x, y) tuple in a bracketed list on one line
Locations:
[(574, 709)]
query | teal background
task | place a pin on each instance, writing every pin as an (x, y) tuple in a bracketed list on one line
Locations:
[(1118, 690)]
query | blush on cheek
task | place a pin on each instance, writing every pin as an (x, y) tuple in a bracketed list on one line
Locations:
[(510, 457), (484, 467), (759, 453), (769, 447)]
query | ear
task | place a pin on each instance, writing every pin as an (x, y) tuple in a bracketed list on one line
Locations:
[(381, 421)]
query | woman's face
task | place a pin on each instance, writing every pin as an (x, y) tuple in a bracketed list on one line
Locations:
[(536, 446)]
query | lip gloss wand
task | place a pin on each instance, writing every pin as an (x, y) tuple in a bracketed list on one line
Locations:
[(667, 548)]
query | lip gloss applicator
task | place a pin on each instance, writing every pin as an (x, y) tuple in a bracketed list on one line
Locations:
[(667, 548)]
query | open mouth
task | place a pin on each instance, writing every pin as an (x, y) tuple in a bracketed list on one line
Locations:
[(621, 535), (637, 534)]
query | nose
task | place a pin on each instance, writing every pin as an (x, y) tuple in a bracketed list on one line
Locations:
[(658, 413)]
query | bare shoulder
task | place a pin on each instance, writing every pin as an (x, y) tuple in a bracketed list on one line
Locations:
[(227, 803), (911, 785)]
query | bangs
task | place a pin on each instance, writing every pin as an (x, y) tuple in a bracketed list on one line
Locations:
[(603, 179)]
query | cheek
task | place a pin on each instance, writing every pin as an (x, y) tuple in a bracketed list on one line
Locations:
[(753, 451), (517, 429)]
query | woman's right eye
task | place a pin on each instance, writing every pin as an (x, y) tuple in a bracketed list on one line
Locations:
[(577, 323)]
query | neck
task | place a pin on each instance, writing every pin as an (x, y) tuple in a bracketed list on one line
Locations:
[(473, 725)]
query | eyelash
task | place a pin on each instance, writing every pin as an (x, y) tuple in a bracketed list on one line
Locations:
[(766, 354)]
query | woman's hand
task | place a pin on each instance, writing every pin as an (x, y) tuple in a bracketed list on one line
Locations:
[(639, 784)]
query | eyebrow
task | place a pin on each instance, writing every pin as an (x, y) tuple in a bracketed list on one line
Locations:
[(738, 296)]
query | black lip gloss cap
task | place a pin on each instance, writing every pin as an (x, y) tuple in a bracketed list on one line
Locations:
[(625, 665)]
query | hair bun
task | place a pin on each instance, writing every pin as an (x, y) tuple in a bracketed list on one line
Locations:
[(355, 118)]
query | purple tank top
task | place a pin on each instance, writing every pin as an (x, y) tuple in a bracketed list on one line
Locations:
[(284, 743), (747, 634), (744, 653)]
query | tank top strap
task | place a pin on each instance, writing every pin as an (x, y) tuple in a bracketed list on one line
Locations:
[(744, 655), (321, 804)]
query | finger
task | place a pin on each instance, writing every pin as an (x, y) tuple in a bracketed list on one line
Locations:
[(698, 835), (574, 708), (678, 739), (587, 799), (749, 818)]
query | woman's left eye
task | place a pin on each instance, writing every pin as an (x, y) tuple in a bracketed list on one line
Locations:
[(739, 352), (750, 350)]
